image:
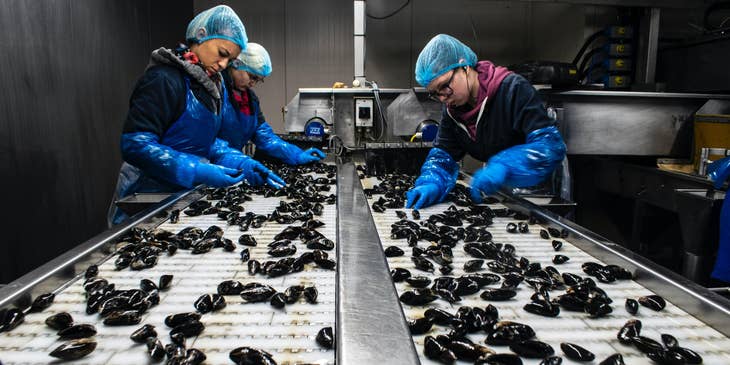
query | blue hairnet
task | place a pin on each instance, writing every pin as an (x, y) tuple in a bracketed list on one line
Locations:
[(217, 22), (254, 59), (441, 54)]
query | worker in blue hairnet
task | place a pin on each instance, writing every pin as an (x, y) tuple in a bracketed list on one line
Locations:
[(246, 121), (719, 171), (169, 140), (490, 113)]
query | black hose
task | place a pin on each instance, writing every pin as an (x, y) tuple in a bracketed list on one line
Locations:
[(587, 43), (391, 14), (586, 59)]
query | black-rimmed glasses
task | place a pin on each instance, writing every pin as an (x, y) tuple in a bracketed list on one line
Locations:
[(444, 90)]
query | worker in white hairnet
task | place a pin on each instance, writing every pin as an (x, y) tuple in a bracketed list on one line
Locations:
[(247, 121), (490, 113)]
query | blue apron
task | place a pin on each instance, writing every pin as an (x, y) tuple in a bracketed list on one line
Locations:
[(193, 132), (722, 263), (238, 128)]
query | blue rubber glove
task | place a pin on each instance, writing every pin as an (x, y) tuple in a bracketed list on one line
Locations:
[(488, 180), (719, 171), (310, 155), (256, 174), (216, 176), (422, 196)]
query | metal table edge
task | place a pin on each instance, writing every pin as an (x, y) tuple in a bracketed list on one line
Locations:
[(60, 271), (371, 325)]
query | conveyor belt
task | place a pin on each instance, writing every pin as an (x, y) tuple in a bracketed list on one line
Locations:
[(597, 335), (288, 333)]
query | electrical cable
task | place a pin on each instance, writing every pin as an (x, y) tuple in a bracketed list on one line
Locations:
[(587, 43), (391, 14), (722, 5), (588, 57)]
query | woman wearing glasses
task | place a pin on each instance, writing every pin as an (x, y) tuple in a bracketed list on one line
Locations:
[(490, 113), (245, 121)]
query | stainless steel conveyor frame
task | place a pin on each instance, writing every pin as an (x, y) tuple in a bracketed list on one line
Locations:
[(370, 325)]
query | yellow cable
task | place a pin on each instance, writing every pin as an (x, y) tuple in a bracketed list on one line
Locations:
[(413, 137)]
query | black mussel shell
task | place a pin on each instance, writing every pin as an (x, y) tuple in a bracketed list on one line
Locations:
[(91, 272), (178, 339), (560, 259), (473, 265), (497, 294), (401, 214), (123, 318), (254, 267), (669, 340), (532, 349), (511, 227), (418, 281), (147, 285), (175, 320), (155, 349), (325, 338), (420, 326), (499, 359), (423, 264), (328, 264), (164, 282), (75, 349), (247, 240), (615, 359), (542, 308), (59, 321), (393, 251), (293, 293), (557, 245), (439, 316), (507, 333), (194, 357), (399, 274), (646, 344), (552, 360), (632, 306), (597, 308), (42, 302), (446, 269), (666, 357), (544, 234), (653, 302), (690, 356), (143, 333), (230, 287), (278, 300), (188, 329), (257, 293), (630, 329), (416, 214), (466, 350), (204, 304), (575, 352), (418, 297), (77, 331), (249, 355), (310, 294)]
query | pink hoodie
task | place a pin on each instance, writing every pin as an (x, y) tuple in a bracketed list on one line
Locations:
[(490, 78)]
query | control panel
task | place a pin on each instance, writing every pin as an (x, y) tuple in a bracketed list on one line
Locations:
[(364, 112)]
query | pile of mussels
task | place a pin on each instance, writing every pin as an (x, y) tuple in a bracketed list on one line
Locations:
[(468, 227)]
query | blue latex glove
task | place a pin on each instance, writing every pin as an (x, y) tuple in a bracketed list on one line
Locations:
[(310, 155), (423, 196), (216, 176), (719, 171), (488, 180), (256, 174)]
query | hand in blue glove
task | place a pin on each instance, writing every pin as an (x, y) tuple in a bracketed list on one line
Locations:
[(256, 174), (422, 196), (310, 155), (216, 176), (488, 180), (719, 171)]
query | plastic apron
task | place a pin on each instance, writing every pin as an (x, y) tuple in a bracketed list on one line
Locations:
[(722, 263), (193, 132), (238, 128)]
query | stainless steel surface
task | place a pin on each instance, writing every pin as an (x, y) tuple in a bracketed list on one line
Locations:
[(617, 123), (359, 39), (54, 274), (636, 3), (648, 46), (371, 326), (549, 93)]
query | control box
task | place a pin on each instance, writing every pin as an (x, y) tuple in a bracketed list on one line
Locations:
[(364, 112)]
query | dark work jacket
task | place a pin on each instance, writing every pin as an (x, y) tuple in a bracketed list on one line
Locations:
[(506, 120)]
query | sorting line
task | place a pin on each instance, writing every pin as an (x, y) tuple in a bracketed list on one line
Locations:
[(288, 333), (597, 335)]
